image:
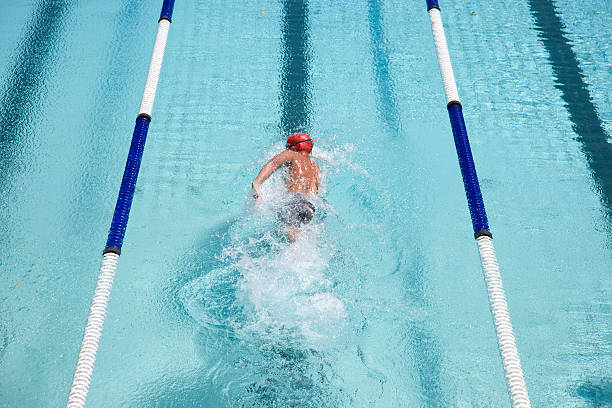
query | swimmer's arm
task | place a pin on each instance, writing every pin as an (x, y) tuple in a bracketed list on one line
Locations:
[(268, 169)]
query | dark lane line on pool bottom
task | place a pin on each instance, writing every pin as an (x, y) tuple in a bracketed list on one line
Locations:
[(591, 134), (385, 87), (24, 88), (574, 91), (422, 342), (294, 70)]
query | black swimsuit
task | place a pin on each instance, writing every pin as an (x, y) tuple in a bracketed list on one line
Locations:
[(298, 211)]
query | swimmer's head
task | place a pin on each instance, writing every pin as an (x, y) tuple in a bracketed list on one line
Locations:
[(299, 142)]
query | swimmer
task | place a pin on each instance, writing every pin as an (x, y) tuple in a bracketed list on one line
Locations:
[(302, 183)]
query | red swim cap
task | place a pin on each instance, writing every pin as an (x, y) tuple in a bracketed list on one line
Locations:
[(300, 142)]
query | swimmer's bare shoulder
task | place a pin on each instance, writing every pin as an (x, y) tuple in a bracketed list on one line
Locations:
[(284, 157)]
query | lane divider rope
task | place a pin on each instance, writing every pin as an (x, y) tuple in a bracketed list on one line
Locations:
[(95, 321), (497, 298)]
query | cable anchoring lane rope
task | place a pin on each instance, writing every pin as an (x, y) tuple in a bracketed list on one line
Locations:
[(497, 298), (95, 321)]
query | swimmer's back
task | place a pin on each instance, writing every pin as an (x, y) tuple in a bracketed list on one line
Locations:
[(303, 174)]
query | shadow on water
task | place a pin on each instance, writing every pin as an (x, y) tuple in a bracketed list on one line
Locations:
[(597, 393), (294, 89), (386, 100), (570, 80), (24, 89)]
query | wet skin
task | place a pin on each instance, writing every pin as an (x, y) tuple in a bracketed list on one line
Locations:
[(303, 177)]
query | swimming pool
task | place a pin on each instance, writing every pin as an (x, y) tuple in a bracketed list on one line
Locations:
[(385, 305)]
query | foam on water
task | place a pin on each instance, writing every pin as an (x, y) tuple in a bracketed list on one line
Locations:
[(289, 292), (268, 289), (271, 312)]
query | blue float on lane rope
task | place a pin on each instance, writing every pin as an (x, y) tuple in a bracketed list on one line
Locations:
[(468, 171)]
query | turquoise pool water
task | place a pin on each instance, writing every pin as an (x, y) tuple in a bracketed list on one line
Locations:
[(381, 303)]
